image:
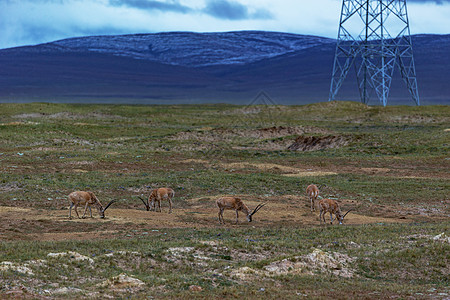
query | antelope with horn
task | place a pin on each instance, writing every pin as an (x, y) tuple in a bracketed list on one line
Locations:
[(236, 204), (331, 206), (156, 196), (87, 199), (313, 192)]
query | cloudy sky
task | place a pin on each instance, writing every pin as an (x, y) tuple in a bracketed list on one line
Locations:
[(28, 22)]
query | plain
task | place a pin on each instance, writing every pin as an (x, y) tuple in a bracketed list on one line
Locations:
[(389, 164)]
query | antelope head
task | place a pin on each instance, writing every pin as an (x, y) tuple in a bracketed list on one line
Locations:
[(341, 217), (102, 210), (258, 207), (147, 206)]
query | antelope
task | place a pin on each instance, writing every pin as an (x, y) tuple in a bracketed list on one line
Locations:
[(236, 204), (313, 192), (87, 199), (331, 206), (158, 195)]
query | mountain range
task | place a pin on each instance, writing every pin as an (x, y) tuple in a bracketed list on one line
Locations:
[(187, 67)]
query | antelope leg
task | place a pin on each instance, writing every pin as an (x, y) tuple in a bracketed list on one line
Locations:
[(85, 210), (76, 210), (70, 210)]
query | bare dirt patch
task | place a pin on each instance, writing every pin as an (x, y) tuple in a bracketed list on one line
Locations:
[(308, 138), (376, 170), (275, 168), (314, 143), (53, 225), (289, 210), (284, 210), (220, 134), (77, 236), (84, 124), (310, 173)]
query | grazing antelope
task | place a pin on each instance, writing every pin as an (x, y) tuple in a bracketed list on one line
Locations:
[(331, 206), (313, 192), (158, 195), (236, 204), (87, 199)]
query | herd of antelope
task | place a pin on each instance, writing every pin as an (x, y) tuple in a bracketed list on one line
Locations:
[(88, 199)]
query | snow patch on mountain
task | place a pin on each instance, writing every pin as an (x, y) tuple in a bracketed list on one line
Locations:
[(189, 48)]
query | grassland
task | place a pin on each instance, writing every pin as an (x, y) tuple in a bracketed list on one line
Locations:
[(389, 164)]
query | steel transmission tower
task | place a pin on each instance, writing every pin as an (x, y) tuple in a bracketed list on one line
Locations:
[(381, 42)]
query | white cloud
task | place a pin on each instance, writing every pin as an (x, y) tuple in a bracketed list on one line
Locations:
[(429, 18)]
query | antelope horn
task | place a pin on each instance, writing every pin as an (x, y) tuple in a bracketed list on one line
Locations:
[(146, 204), (109, 204), (346, 213), (258, 207)]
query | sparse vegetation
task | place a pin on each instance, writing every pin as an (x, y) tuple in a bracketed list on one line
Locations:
[(392, 170)]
